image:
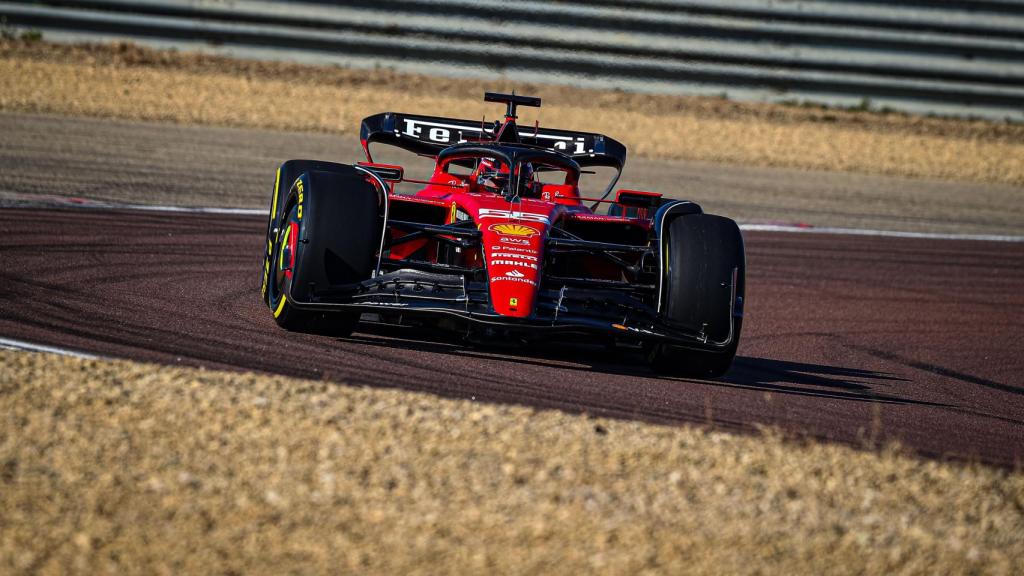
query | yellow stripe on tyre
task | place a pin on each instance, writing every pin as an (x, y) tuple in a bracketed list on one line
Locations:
[(277, 186), (280, 306)]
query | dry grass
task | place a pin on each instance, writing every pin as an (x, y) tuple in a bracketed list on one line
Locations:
[(126, 81), (114, 467)]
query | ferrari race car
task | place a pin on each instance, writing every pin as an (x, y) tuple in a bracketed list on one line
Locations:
[(499, 245)]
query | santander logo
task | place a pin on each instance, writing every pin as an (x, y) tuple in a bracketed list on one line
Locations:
[(514, 274)]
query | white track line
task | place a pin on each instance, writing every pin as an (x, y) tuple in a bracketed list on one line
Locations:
[(234, 211), (11, 344), (746, 227), (160, 208), (885, 233)]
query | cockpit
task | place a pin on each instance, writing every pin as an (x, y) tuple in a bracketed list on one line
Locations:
[(510, 171)]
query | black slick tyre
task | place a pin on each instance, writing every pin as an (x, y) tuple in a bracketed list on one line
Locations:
[(286, 175), (703, 292), (327, 239)]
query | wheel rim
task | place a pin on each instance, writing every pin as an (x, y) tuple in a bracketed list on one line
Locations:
[(284, 259)]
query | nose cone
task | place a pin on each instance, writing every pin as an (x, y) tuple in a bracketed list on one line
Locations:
[(513, 251)]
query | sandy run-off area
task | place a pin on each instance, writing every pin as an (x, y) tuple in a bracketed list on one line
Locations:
[(115, 468)]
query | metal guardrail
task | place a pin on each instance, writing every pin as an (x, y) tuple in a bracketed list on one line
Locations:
[(964, 57)]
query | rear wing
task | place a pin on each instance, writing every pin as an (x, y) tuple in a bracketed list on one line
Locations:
[(429, 135)]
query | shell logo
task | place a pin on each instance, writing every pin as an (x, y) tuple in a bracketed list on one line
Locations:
[(513, 230)]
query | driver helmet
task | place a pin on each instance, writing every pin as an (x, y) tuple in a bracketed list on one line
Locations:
[(492, 176), (527, 185)]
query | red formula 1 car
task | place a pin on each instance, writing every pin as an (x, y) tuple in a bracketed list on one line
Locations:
[(498, 244)]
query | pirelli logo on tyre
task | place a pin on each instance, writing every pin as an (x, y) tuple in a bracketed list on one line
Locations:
[(514, 230), (300, 190)]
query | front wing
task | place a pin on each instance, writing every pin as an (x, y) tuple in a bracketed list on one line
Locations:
[(566, 311)]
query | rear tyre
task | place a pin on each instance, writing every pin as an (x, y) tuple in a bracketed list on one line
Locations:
[(327, 239), (705, 259)]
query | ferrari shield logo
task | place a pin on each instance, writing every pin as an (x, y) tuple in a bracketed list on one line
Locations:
[(513, 229)]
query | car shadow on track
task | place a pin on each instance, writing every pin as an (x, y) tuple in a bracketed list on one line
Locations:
[(807, 379), (750, 373)]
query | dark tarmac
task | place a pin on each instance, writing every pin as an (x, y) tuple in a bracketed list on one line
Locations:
[(861, 340)]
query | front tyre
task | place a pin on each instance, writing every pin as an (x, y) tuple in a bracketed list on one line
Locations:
[(326, 240), (703, 292), (287, 173)]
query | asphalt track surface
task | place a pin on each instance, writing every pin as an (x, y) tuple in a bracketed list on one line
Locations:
[(856, 339)]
